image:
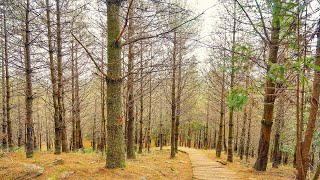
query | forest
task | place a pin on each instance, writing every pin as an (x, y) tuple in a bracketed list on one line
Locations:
[(160, 89)]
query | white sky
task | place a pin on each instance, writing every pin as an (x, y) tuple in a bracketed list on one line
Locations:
[(207, 22)]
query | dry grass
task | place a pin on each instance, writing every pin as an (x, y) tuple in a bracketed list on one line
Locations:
[(154, 165), (245, 171)]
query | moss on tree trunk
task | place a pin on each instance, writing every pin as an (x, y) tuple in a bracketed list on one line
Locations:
[(115, 138)]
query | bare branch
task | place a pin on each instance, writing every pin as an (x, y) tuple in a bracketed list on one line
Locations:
[(90, 55)]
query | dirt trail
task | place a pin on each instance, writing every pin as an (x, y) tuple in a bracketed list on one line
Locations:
[(206, 169)]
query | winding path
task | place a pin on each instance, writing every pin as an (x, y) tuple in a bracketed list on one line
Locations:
[(206, 169)]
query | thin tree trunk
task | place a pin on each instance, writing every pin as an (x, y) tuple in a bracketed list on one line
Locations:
[(243, 131), (173, 97), (58, 125), (29, 95), (60, 91), (237, 136), (20, 125), (8, 107), (3, 78), (231, 109), (141, 101), (150, 114), (206, 128), (102, 143), (47, 131), (221, 121), (77, 105), (249, 132), (130, 84), (161, 133), (73, 106), (302, 172), (94, 126), (178, 100), (136, 126), (299, 115), (54, 83)]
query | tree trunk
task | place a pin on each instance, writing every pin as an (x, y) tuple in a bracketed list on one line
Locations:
[(60, 91), (8, 108), (94, 126), (231, 109), (276, 146), (178, 100), (78, 138), (141, 101), (73, 104), (115, 138), (161, 133), (20, 125), (299, 115), (130, 84), (270, 96), (302, 172), (54, 83), (237, 136), (221, 121), (173, 97), (3, 78), (243, 131), (58, 125), (150, 114), (29, 96), (189, 136), (102, 143), (249, 132)]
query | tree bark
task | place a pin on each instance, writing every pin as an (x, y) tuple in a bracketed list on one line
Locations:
[(249, 132), (221, 121), (3, 78), (8, 108), (53, 81), (73, 106), (270, 96), (63, 131), (173, 98), (20, 125), (115, 138), (141, 101), (58, 124), (302, 172), (78, 139), (130, 84), (232, 75), (150, 114), (276, 146), (178, 100), (29, 96), (102, 143), (94, 126), (243, 131)]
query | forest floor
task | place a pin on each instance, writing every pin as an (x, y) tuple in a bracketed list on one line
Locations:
[(153, 165), (90, 165)]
